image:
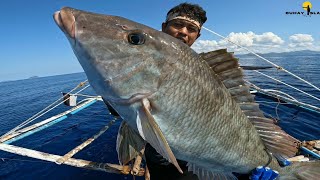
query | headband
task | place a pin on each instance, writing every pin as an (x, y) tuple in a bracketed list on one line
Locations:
[(171, 16)]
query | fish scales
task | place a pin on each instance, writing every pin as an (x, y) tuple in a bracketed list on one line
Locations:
[(193, 118), (189, 102), (171, 98)]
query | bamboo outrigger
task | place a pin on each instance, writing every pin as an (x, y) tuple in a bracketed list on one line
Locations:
[(67, 159)]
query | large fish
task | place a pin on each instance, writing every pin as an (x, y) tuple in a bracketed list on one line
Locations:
[(189, 107)]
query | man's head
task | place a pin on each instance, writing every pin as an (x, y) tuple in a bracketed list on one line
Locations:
[(184, 22)]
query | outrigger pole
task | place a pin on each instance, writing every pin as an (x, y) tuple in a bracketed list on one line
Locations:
[(106, 167), (67, 159), (20, 134)]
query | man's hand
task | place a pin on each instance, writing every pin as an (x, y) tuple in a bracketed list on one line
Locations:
[(264, 173)]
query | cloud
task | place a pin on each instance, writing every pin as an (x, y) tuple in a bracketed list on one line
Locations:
[(205, 45), (301, 38), (260, 43), (301, 42), (263, 42), (268, 38), (243, 39)]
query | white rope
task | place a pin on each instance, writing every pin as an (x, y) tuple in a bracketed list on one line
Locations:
[(54, 106), (275, 65), (85, 95), (40, 113), (36, 115), (287, 85), (280, 92), (267, 102)]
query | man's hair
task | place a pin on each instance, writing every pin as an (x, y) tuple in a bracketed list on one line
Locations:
[(192, 11)]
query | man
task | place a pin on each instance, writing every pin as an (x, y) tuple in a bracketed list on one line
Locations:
[(183, 22)]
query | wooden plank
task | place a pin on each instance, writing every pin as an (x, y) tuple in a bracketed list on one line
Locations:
[(106, 167)]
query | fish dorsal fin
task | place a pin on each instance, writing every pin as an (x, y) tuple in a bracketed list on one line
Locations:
[(129, 143), (204, 174), (153, 134), (227, 69)]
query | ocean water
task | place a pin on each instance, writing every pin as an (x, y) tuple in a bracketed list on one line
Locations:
[(21, 99), (300, 123)]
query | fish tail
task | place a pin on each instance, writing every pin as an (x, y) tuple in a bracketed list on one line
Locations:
[(301, 170)]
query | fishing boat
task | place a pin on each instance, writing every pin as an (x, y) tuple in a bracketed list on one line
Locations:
[(309, 150)]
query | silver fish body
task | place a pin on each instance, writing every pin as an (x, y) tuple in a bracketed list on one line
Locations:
[(200, 120)]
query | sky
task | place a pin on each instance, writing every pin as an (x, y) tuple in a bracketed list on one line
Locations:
[(32, 45)]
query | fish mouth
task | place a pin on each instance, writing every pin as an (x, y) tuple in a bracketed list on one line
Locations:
[(66, 21)]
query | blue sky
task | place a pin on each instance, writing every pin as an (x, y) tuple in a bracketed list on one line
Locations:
[(32, 44)]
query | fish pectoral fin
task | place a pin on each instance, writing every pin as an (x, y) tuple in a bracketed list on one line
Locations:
[(153, 134), (204, 174), (129, 143)]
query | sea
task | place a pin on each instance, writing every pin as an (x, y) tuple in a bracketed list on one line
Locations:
[(21, 99)]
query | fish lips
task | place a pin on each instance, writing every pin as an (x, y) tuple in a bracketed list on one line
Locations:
[(66, 21)]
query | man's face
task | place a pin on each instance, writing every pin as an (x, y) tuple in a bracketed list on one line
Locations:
[(182, 29)]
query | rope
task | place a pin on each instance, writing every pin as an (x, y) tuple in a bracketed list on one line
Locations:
[(275, 65), (85, 95), (288, 85), (276, 108), (55, 106), (40, 113), (267, 102), (280, 92)]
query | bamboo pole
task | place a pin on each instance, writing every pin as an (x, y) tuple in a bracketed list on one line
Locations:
[(137, 163), (106, 167), (45, 123)]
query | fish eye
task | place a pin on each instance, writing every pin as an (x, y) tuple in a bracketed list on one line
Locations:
[(136, 38)]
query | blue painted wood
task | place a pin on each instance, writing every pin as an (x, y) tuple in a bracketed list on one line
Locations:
[(26, 134)]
